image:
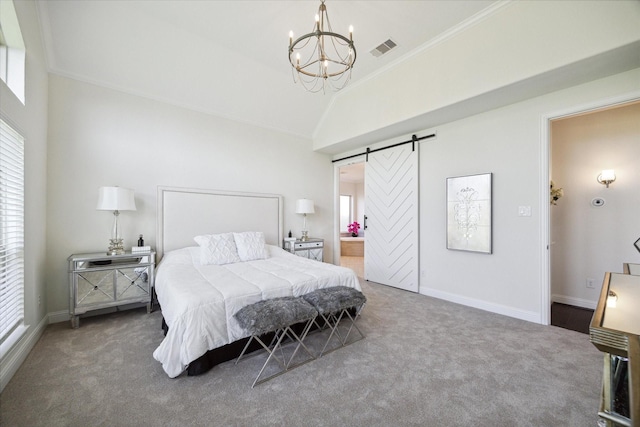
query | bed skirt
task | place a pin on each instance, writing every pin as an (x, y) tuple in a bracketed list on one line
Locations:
[(225, 353), (230, 351)]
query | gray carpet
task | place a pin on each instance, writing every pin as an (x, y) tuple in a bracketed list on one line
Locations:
[(424, 362)]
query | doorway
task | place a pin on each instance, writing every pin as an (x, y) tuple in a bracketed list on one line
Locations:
[(588, 238), (351, 209)]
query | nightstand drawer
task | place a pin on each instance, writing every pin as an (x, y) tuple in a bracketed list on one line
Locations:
[(308, 245), (312, 248)]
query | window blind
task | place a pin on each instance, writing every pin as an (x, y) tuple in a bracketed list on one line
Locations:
[(11, 230)]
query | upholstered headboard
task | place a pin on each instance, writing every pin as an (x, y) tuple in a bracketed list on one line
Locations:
[(184, 213)]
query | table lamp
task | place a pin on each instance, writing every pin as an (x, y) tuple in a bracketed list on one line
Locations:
[(115, 199), (304, 207)]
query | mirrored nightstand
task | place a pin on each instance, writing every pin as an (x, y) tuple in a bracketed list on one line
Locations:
[(98, 281), (312, 248)]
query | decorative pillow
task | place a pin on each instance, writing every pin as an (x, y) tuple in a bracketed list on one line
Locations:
[(217, 249), (250, 245)]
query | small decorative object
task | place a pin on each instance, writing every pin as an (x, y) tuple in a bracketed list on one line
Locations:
[(289, 233), (140, 241), (353, 228), (469, 213), (555, 193)]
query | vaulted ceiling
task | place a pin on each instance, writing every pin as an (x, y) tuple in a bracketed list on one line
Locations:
[(229, 58)]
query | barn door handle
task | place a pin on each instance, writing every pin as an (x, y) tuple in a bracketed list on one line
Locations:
[(364, 226)]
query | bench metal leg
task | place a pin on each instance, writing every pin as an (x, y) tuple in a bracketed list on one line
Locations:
[(276, 345), (333, 321)]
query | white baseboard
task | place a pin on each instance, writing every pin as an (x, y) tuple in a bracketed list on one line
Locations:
[(59, 316), (17, 355), (529, 316), (578, 302)]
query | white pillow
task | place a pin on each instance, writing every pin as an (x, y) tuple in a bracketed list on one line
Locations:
[(250, 245), (217, 249)]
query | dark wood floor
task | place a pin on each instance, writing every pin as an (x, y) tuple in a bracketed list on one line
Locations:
[(571, 317)]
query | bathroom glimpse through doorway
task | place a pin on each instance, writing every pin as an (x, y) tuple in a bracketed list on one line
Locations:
[(351, 209)]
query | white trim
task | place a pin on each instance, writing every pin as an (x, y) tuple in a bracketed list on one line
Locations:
[(336, 200), (59, 317), (545, 247), (529, 316), (577, 302), (17, 355), (545, 219), (336, 214)]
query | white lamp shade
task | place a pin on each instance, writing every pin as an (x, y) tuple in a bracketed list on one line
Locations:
[(115, 199), (305, 206), (607, 175)]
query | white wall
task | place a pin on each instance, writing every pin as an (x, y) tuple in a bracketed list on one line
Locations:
[(99, 136), (30, 120), (587, 241), (509, 143), (525, 46)]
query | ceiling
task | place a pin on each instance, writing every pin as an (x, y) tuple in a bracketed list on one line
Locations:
[(352, 173), (229, 58)]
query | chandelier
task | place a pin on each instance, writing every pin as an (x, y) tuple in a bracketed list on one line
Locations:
[(322, 58)]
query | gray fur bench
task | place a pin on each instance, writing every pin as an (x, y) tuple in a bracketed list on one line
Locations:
[(333, 304), (277, 315)]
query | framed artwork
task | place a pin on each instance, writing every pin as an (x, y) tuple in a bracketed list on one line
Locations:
[(637, 244), (469, 213)]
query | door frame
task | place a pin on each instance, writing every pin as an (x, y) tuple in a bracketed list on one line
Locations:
[(336, 203), (545, 176)]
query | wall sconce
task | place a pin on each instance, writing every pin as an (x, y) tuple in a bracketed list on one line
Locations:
[(606, 177), (612, 299)]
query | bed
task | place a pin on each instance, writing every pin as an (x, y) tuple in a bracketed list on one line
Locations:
[(200, 286)]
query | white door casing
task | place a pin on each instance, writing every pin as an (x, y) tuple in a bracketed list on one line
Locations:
[(392, 217)]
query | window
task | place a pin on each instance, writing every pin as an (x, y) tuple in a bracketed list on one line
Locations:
[(12, 50), (11, 232), (345, 213)]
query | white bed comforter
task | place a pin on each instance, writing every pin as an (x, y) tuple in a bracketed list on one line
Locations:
[(198, 301)]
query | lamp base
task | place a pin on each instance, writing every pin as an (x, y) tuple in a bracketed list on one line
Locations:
[(116, 247), (305, 236)]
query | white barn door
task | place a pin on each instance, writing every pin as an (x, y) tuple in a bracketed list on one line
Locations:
[(391, 219)]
